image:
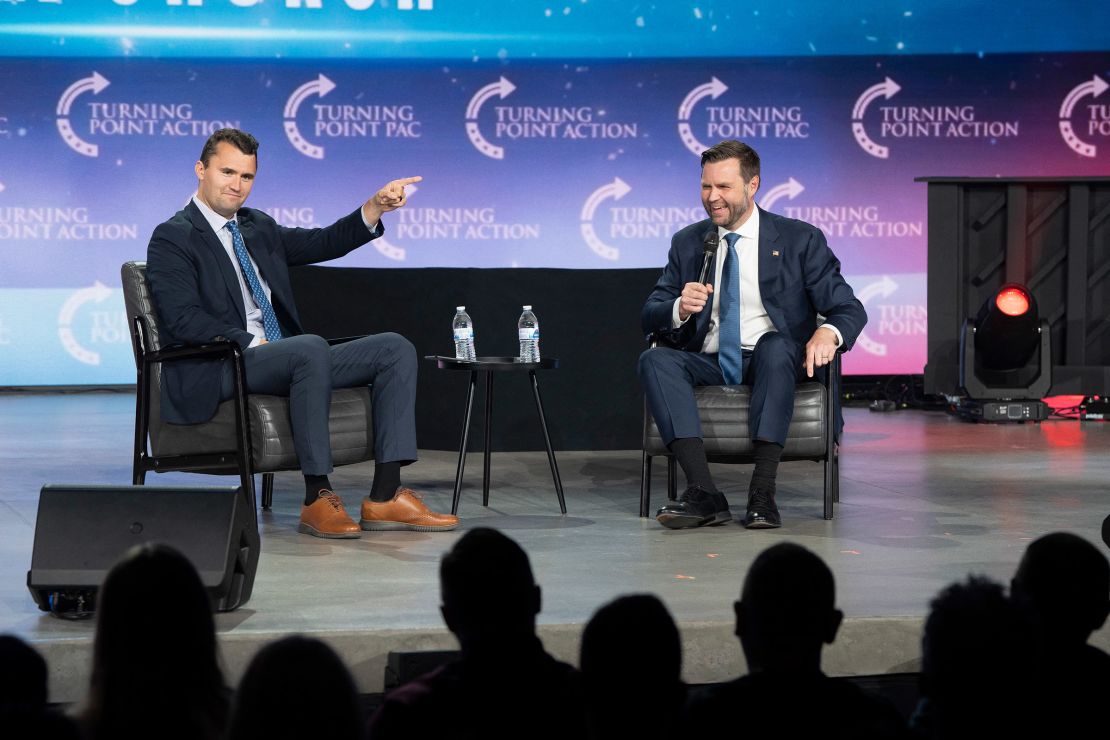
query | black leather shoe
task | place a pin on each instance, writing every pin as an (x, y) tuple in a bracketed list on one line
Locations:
[(762, 512), (696, 507)]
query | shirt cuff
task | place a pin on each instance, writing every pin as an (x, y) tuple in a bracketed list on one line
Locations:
[(839, 336), (374, 228), (675, 320)]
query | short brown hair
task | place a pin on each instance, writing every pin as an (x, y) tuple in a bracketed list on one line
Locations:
[(732, 149), (241, 140)]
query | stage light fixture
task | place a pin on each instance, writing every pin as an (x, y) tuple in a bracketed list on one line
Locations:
[(1006, 359)]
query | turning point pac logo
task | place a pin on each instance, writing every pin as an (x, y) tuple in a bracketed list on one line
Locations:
[(736, 121), (1097, 123), (345, 120)]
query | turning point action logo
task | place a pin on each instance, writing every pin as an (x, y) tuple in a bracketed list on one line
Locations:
[(1097, 123), (127, 119), (576, 122), (648, 224), (920, 121)]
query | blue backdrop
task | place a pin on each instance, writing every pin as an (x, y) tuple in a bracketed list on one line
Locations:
[(549, 135)]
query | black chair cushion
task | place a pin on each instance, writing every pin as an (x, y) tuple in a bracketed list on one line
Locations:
[(724, 419)]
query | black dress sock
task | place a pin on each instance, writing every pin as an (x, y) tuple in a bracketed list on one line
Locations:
[(690, 454), (767, 456), (313, 484), (387, 479)]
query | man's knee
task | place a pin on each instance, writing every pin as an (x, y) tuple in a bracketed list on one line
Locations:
[(396, 346), (775, 348), (309, 348), (651, 360)]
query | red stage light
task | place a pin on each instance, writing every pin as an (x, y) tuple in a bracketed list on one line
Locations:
[(1012, 301)]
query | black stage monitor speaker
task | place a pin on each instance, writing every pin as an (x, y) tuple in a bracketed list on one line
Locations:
[(82, 531)]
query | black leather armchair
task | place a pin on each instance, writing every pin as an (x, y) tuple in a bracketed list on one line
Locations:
[(724, 419), (249, 434)]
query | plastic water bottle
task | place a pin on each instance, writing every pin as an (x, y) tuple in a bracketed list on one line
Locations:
[(528, 331), (463, 329)]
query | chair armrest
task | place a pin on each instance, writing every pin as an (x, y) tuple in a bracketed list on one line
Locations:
[(192, 352)]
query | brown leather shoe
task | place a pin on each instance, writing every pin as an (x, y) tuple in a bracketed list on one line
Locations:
[(327, 518), (405, 510)]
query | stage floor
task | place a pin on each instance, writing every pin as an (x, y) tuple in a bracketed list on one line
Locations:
[(925, 500)]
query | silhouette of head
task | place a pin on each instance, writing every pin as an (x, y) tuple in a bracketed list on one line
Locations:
[(270, 701), (487, 588), (631, 663), (974, 653), (22, 675), (1064, 583), (615, 639), (155, 652), (787, 611)]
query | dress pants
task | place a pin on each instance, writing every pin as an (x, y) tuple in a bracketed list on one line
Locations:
[(771, 369), (305, 368)]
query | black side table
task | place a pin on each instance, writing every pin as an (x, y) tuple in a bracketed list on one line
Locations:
[(490, 366)]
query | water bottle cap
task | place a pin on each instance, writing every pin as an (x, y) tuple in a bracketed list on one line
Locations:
[(527, 308), (460, 308)]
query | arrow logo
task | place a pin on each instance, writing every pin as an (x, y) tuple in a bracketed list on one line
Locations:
[(97, 293), (95, 83), (615, 190), (884, 288), (714, 88), (385, 248), (789, 189), (502, 88), (1094, 87), (888, 88), (321, 86)]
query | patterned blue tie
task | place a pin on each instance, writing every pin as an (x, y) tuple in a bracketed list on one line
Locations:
[(729, 357), (269, 320)]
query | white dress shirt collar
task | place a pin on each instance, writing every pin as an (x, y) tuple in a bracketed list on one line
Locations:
[(215, 220)]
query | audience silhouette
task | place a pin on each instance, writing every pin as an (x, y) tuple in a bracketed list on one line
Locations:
[(631, 663), (785, 616), (23, 693), (269, 703), (1063, 585), (975, 665), (504, 685), (155, 670)]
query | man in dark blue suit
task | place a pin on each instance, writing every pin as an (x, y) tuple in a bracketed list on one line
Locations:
[(775, 275), (219, 270)]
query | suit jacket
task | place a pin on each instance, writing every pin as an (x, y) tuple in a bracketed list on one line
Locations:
[(198, 297), (799, 277)]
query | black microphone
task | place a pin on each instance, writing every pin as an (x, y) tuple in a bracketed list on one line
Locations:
[(711, 240)]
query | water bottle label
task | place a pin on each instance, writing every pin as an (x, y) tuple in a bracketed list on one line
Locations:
[(463, 334), (526, 334)]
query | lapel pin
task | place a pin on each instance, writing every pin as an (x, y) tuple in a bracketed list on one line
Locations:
[(775, 253)]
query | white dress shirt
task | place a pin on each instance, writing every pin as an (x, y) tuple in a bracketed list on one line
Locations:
[(754, 321)]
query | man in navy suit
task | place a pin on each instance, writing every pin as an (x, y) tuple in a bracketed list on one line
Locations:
[(218, 270), (759, 328)]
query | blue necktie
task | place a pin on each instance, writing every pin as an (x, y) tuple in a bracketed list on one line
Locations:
[(269, 320), (729, 357)]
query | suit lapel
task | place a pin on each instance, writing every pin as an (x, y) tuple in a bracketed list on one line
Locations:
[(770, 264), (227, 270)]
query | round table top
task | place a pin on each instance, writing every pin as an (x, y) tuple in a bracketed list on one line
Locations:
[(493, 363)]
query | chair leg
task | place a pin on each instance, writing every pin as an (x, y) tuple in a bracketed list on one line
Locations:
[(829, 470), (645, 485), (836, 473), (267, 490), (672, 478)]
